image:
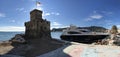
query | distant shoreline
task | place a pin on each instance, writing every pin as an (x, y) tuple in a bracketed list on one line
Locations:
[(12, 31), (91, 28)]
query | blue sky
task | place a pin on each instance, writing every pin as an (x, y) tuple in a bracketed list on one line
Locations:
[(61, 13)]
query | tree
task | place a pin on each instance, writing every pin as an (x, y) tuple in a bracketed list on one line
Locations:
[(114, 29)]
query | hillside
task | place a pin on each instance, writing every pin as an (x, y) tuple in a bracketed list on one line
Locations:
[(91, 28)]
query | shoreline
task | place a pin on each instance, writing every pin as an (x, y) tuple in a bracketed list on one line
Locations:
[(7, 47)]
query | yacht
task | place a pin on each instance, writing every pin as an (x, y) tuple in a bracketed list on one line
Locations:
[(74, 34)]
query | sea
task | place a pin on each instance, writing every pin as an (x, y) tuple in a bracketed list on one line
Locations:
[(8, 35)]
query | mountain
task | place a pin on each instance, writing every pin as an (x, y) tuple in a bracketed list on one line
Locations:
[(91, 28), (57, 29)]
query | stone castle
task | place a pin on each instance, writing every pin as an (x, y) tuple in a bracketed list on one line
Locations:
[(37, 38), (37, 27)]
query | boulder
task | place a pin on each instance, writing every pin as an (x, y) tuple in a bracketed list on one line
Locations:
[(18, 38)]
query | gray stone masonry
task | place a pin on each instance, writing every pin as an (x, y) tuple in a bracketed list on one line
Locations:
[(37, 27)]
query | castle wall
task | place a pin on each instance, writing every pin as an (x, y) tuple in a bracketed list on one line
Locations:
[(37, 27)]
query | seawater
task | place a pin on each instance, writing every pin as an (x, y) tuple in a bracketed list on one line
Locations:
[(56, 35), (8, 35)]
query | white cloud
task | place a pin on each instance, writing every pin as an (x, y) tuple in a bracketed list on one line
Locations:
[(12, 28), (40, 7), (57, 25), (94, 11), (109, 22), (33, 0), (12, 21), (24, 11), (108, 13), (96, 16), (51, 13), (88, 19), (46, 14), (2, 15), (20, 9), (118, 26), (55, 13)]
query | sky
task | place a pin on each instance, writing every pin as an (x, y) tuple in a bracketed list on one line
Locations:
[(61, 13)]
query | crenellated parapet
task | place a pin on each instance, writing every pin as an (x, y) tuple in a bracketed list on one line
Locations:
[(37, 27)]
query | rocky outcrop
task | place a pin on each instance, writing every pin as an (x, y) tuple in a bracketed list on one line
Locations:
[(11, 56), (18, 38), (112, 40)]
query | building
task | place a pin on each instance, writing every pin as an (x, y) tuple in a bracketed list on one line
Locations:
[(37, 27)]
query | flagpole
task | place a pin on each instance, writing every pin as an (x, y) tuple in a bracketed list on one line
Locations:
[(36, 4)]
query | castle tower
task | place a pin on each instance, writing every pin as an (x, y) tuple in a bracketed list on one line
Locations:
[(37, 27), (35, 15)]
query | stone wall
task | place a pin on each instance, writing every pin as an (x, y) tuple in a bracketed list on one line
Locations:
[(37, 27)]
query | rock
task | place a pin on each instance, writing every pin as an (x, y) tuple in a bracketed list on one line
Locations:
[(9, 55), (18, 38), (117, 42)]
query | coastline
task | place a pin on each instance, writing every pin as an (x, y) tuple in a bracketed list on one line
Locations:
[(56, 48), (27, 49), (8, 35)]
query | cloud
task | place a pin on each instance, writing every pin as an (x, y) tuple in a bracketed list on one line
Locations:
[(88, 19), (97, 16), (46, 14), (118, 25), (33, 0), (94, 16), (57, 25), (40, 8), (51, 13), (20, 9), (12, 21), (55, 13), (24, 11), (12, 28), (2, 15), (108, 22), (108, 13)]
